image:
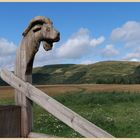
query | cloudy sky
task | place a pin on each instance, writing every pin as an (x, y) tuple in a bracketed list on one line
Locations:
[(90, 32)]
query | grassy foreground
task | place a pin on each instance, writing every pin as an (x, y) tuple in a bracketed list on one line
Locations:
[(116, 112)]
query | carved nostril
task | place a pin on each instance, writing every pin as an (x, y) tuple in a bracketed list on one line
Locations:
[(58, 34)]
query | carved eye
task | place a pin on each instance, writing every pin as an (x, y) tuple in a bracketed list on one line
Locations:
[(36, 28)]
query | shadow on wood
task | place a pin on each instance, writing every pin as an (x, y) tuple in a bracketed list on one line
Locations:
[(10, 117)]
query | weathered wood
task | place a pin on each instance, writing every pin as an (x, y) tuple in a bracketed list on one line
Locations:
[(39, 29), (10, 121), (21, 99), (39, 135), (63, 113)]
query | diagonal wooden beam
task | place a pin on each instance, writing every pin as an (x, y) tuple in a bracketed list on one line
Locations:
[(69, 117)]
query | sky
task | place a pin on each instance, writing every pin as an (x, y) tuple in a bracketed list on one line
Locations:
[(89, 32)]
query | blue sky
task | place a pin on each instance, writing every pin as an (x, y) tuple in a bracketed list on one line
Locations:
[(90, 32)]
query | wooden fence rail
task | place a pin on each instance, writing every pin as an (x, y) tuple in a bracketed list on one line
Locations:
[(72, 119)]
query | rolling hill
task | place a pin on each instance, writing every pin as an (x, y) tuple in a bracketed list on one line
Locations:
[(106, 72)]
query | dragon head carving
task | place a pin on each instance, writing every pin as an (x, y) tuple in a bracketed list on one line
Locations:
[(43, 30)]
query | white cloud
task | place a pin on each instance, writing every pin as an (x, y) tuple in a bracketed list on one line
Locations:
[(109, 51), (129, 34), (134, 55), (7, 53), (96, 42), (46, 57), (86, 62), (79, 45), (6, 47), (134, 59)]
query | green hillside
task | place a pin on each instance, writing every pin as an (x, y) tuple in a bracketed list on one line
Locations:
[(106, 72)]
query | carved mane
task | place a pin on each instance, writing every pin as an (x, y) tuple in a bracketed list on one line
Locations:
[(35, 21)]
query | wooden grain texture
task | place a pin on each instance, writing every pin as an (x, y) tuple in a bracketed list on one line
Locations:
[(10, 121), (61, 112), (39, 135), (21, 99), (39, 29)]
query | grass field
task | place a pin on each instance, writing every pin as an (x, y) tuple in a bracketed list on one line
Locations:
[(8, 92), (115, 108)]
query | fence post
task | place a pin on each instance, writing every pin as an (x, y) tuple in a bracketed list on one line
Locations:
[(21, 99), (39, 29)]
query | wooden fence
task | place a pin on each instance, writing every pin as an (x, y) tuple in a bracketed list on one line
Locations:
[(25, 92), (72, 119), (10, 121)]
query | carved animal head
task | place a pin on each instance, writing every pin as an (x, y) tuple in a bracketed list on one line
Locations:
[(43, 30)]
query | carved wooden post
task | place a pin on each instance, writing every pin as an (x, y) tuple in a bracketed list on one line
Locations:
[(20, 99), (39, 29)]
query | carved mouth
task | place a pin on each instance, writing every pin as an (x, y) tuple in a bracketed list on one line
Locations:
[(47, 45)]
